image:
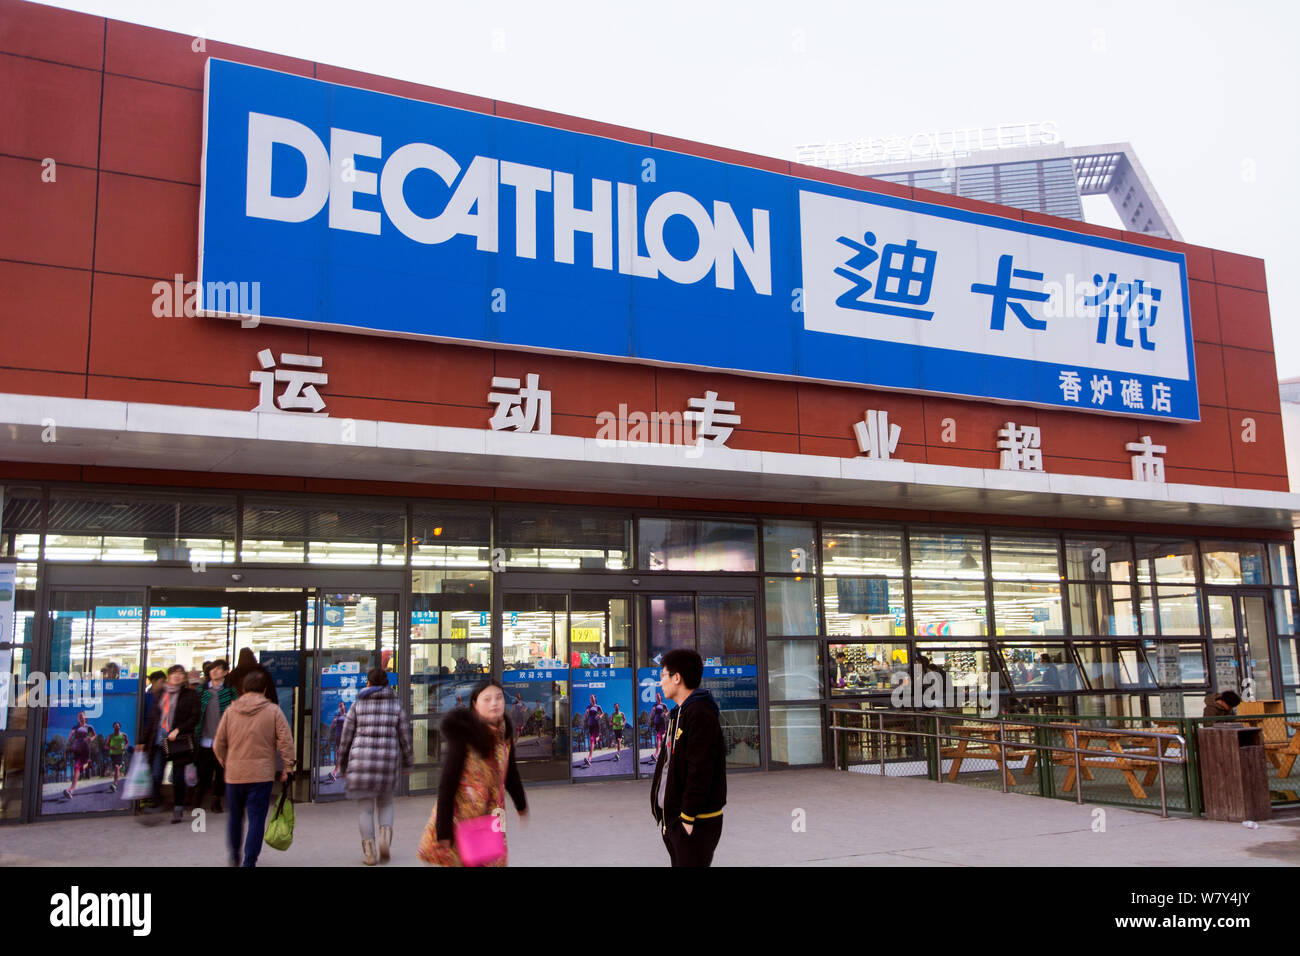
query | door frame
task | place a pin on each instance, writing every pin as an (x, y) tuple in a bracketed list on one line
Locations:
[(1237, 593), (313, 581), (637, 585)]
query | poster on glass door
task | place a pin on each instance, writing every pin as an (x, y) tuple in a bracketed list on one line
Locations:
[(538, 708), (603, 722), (90, 732)]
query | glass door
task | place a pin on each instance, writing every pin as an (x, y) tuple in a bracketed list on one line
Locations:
[(92, 699), (722, 629), (195, 626), (604, 730), (535, 673), (1240, 633), (351, 633)]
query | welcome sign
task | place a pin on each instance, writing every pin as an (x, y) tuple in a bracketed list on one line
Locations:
[(357, 211)]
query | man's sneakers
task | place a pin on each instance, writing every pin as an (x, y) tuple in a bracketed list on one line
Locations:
[(68, 793)]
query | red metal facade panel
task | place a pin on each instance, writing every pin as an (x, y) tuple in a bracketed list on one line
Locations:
[(137, 222)]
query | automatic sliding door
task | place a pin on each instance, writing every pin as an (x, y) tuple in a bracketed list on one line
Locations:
[(354, 633), (536, 658), (604, 725), (722, 629)]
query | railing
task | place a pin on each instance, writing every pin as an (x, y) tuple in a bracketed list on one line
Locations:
[(1117, 759), (1051, 759)]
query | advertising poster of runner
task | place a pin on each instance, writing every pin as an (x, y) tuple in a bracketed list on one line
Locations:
[(90, 732), (603, 722)]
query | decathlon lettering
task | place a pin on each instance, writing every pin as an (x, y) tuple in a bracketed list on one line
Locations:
[(473, 207)]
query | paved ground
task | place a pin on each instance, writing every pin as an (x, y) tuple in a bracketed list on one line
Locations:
[(851, 820)]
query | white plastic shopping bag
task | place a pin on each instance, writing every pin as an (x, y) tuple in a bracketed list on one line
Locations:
[(139, 778)]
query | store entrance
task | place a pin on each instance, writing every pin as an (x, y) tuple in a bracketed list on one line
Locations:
[(1241, 637), (317, 634), (567, 670)]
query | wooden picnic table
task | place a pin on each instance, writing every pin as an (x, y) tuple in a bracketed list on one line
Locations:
[(988, 746), (1280, 749), (1118, 749)]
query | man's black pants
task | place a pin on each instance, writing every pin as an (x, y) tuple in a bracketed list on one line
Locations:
[(212, 778), (694, 848)]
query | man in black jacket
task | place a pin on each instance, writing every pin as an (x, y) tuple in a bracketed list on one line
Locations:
[(690, 782)]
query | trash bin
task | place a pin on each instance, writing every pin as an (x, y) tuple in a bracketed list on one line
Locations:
[(1234, 782)]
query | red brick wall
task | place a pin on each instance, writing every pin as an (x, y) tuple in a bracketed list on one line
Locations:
[(118, 108)]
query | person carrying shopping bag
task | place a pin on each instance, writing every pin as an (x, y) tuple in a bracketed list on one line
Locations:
[(467, 827), (374, 748), (252, 733)]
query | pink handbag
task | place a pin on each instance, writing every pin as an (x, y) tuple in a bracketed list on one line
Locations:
[(481, 841)]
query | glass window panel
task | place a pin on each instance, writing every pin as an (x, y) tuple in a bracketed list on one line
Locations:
[(15, 663), (794, 670), (1091, 558), (1180, 611), (452, 605), (740, 734), (949, 554), (1103, 609), (686, 544), (1223, 621), (1022, 608), (441, 676), (865, 668), (796, 735), (965, 665), (727, 629), (1232, 562), (565, 539), (1286, 611), (1286, 658), (94, 526), (1170, 562), (12, 766), (865, 607), (535, 629), (1041, 668), (346, 533), (862, 551), (949, 608), (670, 623), (1281, 563), (27, 547), (1177, 663), (789, 547), (791, 607), (1114, 666), (1254, 613), (1024, 559), (22, 509), (450, 537)]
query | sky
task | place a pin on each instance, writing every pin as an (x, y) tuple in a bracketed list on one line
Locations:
[(1207, 94)]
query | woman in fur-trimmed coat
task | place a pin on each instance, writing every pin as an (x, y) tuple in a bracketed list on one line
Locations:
[(374, 749), (478, 771)]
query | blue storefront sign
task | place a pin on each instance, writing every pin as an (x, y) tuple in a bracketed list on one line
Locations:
[(338, 208)]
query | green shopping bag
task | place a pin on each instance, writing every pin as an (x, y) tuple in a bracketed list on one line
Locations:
[(279, 829)]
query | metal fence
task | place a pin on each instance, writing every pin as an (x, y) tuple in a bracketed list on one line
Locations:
[(1137, 762)]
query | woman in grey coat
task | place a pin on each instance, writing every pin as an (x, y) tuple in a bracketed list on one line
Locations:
[(375, 748)]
